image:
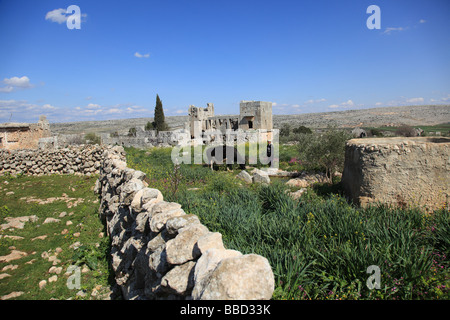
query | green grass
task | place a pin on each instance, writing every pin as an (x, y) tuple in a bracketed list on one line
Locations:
[(84, 218), (443, 128), (320, 246)]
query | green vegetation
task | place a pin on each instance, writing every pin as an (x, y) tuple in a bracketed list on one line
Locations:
[(325, 152), (319, 246), (63, 197), (160, 123), (444, 130), (92, 138)]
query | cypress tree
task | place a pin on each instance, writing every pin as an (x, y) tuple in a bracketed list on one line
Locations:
[(159, 121)]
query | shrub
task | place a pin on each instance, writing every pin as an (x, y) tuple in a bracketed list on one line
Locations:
[(92, 138), (325, 151), (406, 131)]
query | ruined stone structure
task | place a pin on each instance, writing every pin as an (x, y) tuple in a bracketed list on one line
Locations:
[(253, 115), (23, 135), (160, 252), (407, 172)]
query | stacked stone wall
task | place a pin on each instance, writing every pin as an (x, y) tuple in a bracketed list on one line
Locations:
[(160, 252)]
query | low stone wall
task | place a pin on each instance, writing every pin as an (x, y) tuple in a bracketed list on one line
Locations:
[(398, 171), (83, 159), (160, 252)]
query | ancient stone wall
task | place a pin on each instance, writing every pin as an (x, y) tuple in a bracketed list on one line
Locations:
[(398, 171), (160, 252), (83, 159)]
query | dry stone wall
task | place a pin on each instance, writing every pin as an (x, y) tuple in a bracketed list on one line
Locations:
[(160, 252), (398, 171), (83, 159)]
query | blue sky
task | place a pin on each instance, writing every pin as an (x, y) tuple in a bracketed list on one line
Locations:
[(304, 56)]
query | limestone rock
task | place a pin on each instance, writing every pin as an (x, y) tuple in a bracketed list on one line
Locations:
[(260, 176), (159, 220), (240, 278), (181, 249), (209, 241), (176, 223), (244, 176), (206, 264), (180, 279)]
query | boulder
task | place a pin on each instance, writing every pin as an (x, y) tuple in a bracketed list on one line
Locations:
[(260, 176), (244, 176), (240, 278), (181, 249), (180, 279), (206, 264)]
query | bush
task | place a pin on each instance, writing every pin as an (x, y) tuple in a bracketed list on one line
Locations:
[(406, 131), (324, 151), (92, 138), (301, 129)]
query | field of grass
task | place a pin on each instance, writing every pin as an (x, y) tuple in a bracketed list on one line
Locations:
[(71, 200), (319, 247)]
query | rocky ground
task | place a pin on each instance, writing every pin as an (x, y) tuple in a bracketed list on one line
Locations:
[(374, 117)]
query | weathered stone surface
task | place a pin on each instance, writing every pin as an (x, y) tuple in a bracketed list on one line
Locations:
[(144, 196), (240, 278), (260, 176), (181, 249), (209, 241), (244, 176), (18, 222), (180, 279), (158, 220), (176, 223), (206, 264), (398, 171)]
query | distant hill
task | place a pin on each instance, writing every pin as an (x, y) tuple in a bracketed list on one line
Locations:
[(374, 117)]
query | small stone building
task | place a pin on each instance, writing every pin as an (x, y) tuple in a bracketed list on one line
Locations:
[(23, 135)]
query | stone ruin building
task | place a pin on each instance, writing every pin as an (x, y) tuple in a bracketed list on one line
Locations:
[(23, 135), (253, 115)]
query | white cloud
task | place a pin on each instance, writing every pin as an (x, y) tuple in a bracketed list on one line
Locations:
[(389, 30), (422, 21), (113, 110), (138, 55), (349, 103), (6, 89), (49, 107), (378, 103), (23, 111), (415, 100), (60, 15), (315, 101), (15, 82), (92, 106), (23, 82), (57, 15)]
